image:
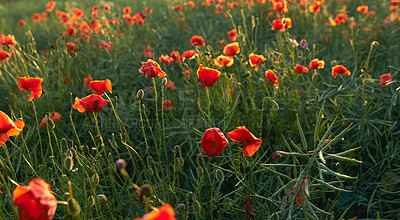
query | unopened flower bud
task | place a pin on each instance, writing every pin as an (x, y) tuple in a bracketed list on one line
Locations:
[(304, 44), (181, 207), (98, 139), (73, 207), (164, 81), (91, 201), (68, 163), (49, 122), (197, 206), (95, 180), (181, 161), (219, 175), (101, 198), (120, 164), (140, 94), (274, 104), (200, 173)]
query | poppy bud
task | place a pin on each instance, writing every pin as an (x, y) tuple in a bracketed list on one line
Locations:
[(91, 201), (140, 94), (101, 198), (95, 180), (146, 190), (197, 206), (98, 139), (164, 81), (181, 161), (304, 44), (49, 122), (7, 99), (374, 43), (68, 163), (200, 173), (69, 153), (151, 171), (73, 207), (181, 207), (120, 164), (274, 104), (219, 175)]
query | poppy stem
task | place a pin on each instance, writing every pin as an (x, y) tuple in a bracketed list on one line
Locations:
[(37, 124), (208, 108)]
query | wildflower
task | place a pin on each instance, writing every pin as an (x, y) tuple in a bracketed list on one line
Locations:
[(222, 60), (167, 104), (232, 35), (385, 78), (148, 52), (70, 31), (300, 69), (256, 60), (78, 12), (304, 44), (303, 194), (276, 156), (186, 73), (314, 8), (31, 84), (231, 49), (363, 9), (90, 103), (35, 201), (280, 6), (175, 56), (339, 69), (165, 59), (54, 116), (251, 143), (21, 22), (190, 3), (150, 68), (8, 127), (4, 55), (213, 142), (281, 24), (106, 7), (207, 76), (178, 7), (86, 81), (190, 55), (50, 6), (271, 76), (197, 40), (316, 64), (101, 86), (36, 17), (170, 85), (165, 212), (8, 40), (127, 10)]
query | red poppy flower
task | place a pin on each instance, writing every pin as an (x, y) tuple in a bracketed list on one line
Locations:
[(256, 60), (208, 76), (303, 194), (316, 64), (281, 24), (7, 40), (271, 76), (280, 6), (4, 55), (86, 81), (50, 6), (54, 116), (106, 7), (165, 212), (127, 10), (300, 69), (91, 103), (175, 56), (385, 78), (197, 40), (100, 86), (148, 52), (190, 55), (231, 49), (213, 142), (248, 207), (165, 59), (35, 201), (31, 84), (314, 8), (222, 60), (339, 69), (186, 73), (251, 143), (8, 127), (190, 3), (36, 17), (70, 31), (232, 35), (170, 85), (21, 22), (167, 104), (150, 68), (78, 12), (178, 7), (363, 9)]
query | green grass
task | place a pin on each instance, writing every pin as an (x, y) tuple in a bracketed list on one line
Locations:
[(341, 134)]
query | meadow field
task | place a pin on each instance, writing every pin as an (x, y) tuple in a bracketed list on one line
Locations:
[(202, 109)]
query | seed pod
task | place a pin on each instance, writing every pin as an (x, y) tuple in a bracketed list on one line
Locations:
[(146, 190), (73, 207), (101, 198), (68, 163), (200, 173), (140, 94), (197, 206), (95, 180), (219, 175)]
